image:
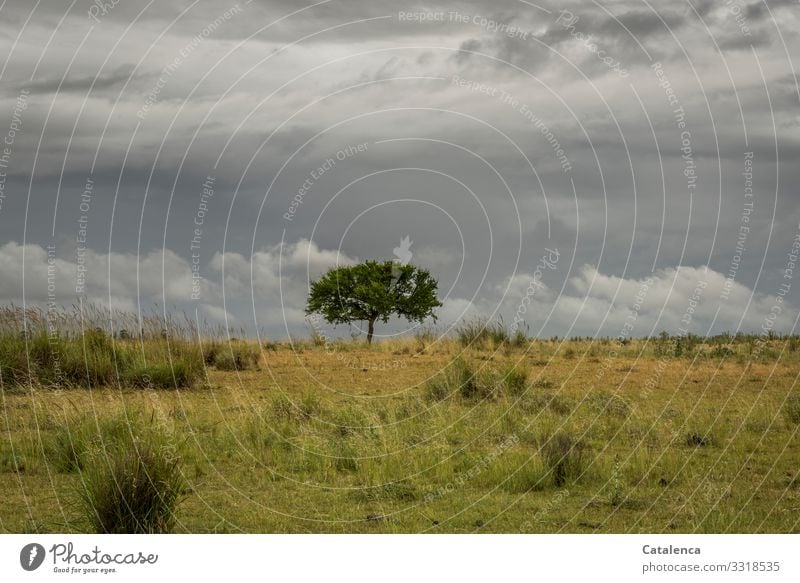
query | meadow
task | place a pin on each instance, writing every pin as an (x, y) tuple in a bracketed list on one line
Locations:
[(164, 426)]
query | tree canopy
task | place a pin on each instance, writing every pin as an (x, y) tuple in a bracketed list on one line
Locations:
[(374, 291)]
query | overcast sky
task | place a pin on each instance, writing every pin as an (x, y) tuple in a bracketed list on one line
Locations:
[(568, 164)]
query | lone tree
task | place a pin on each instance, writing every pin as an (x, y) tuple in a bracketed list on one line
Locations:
[(372, 291)]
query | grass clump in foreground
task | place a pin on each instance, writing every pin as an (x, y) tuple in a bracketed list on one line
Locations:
[(132, 485)]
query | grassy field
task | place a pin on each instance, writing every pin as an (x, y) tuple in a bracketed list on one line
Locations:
[(479, 434)]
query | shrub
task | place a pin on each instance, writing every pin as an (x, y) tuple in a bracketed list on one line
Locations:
[(132, 487), (565, 457)]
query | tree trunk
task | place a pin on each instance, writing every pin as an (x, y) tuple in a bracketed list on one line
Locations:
[(370, 330)]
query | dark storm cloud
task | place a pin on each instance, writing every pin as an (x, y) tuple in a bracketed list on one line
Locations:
[(641, 24), (81, 84), (761, 9), (466, 50), (704, 7), (738, 42), (630, 26)]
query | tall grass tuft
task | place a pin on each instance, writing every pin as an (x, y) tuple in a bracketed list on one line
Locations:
[(132, 485), (460, 379), (565, 457), (481, 334), (516, 381), (75, 439)]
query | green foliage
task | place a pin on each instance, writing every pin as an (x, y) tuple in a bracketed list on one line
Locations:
[(374, 291)]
